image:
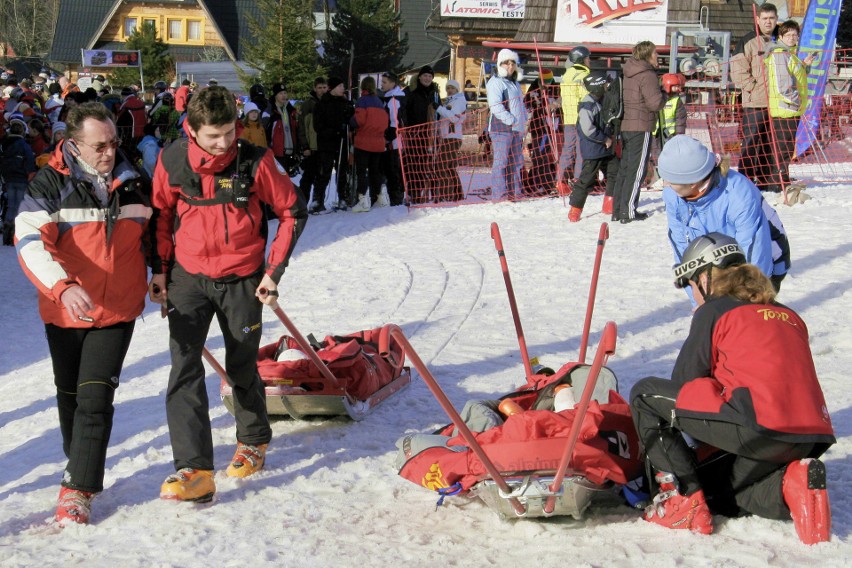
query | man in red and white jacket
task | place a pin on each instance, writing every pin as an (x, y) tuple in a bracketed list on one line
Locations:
[(209, 260)]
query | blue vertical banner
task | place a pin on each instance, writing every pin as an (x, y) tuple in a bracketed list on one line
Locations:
[(819, 31)]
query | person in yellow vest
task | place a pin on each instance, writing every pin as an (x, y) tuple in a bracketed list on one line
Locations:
[(788, 95), (572, 92), (672, 119)]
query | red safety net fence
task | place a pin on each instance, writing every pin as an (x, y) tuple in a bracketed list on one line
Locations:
[(457, 160)]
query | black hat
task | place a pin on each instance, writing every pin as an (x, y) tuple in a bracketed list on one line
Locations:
[(424, 70), (127, 91), (333, 82), (277, 88)]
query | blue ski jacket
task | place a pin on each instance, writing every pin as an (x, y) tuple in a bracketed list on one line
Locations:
[(735, 207)]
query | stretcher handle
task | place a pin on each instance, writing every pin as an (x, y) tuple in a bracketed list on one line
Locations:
[(388, 353), (605, 348), (396, 333), (519, 330), (603, 235), (305, 345), (164, 312)]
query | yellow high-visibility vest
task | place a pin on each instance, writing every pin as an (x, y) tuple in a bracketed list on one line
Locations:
[(779, 105), (572, 92)]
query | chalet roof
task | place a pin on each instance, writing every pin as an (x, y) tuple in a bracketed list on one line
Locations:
[(734, 16), (77, 22), (539, 23), (80, 21)]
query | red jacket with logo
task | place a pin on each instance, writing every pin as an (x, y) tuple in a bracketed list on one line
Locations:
[(219, 240), (750, 364), (65, 237)]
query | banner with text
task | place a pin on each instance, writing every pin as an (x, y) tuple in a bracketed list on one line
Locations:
[(508, 9), (819, 31), (107, 58), (611, 21)]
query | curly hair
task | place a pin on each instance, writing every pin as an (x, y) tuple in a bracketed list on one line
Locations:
[(744, 282)]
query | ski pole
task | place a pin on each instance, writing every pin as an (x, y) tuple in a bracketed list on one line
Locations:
[(603, 235), (164, 312), (605, 348), (522, 343), (396, 333)]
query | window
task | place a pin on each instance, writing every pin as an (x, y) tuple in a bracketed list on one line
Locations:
[(193, 30), (150, 22), (129, 26), (175, 30)]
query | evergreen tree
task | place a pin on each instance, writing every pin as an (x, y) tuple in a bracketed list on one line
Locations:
[(372, 27), (844, 27), (284, 47), (157, 64)]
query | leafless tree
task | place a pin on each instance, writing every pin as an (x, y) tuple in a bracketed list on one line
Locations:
[(28, 25)]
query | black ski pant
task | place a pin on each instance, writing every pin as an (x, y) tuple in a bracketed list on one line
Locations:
[(86, 368), (748, 481), (310, 171), (635, 149), (784, 133), (368, 166), (193, 301), (393, 177), (756, 159), (328, 163), (589, 177)]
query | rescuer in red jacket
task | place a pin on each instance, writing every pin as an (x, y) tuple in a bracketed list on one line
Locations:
[(744, 383), (208, 197)]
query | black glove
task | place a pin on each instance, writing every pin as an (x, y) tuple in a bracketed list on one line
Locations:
[(390, 133), (436, 104)]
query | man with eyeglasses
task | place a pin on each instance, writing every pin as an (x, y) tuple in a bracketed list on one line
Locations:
[(748, 73), (79, 236)]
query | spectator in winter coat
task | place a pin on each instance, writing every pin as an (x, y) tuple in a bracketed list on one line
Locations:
[(149, 148), (331, 119), (421, 105), (572, 92), (80, 234), (53, 105), (451, 115), (506, 125), (166, 119), (788, 96), (701, 196), (643, 99), (595, 145), (308, 138), (744, 385), (281, 131), (370, 122), (252, 129), (182, 96), (396, 105), (131, 120), (543, 106), (748, 73), (17, 164), (214, 262)]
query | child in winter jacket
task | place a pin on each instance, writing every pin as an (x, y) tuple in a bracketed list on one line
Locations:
[(451, 116), (252, 128)]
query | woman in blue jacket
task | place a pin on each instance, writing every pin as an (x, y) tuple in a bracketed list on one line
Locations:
[(702, 196)]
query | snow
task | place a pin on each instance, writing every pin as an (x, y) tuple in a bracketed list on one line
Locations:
[(330, 495)]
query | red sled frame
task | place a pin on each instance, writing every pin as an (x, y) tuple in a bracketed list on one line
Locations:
[(535, 493), (332, 398)]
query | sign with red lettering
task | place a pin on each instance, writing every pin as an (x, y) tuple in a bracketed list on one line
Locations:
[(499, 9), (611, 21), (107, 58)]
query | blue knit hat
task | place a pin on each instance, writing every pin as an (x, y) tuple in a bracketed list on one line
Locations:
[(685, 160)]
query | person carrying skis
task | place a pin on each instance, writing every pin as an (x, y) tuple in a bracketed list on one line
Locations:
[(80, 234), (212, 263), (744, 383)]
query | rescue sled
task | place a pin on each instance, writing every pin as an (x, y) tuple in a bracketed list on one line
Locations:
[(539, 462), (340, 376)]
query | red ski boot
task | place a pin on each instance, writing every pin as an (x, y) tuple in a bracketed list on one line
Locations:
[(806, 495), (574, 214), (675, 511), (74, 507), (607, 205)]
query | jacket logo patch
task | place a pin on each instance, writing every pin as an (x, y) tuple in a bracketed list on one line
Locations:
[(250, 328), (770, 314), (225, 183), (434, 478)]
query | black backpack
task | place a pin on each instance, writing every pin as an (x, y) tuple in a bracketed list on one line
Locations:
[(12, 158), (612, 105)]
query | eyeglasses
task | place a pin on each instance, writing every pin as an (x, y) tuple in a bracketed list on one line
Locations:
[(791, 35), (102, 148)]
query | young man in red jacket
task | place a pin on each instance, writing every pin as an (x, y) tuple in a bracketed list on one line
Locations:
[(744, 383), (210, 263)]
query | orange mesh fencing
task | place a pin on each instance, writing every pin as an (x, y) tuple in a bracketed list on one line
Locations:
[(457, 160)]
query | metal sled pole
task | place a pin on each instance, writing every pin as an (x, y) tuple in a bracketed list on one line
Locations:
[(603, 235), (605, 348), (396, 333), (306, 346), (522, 342)]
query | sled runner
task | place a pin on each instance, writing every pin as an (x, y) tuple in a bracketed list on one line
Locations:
[(543, 460), (339, 376)]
